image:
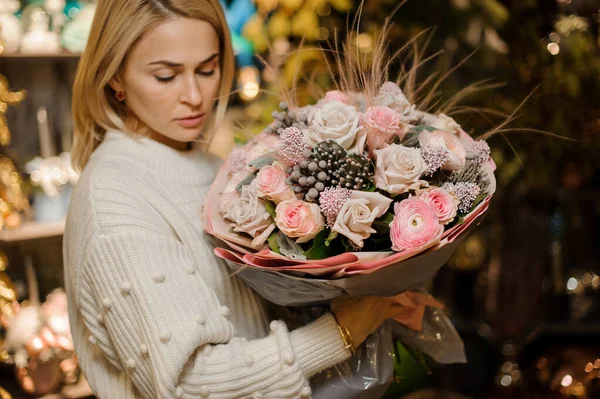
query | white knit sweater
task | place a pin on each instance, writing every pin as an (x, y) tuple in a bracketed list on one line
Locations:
[(154, 314)]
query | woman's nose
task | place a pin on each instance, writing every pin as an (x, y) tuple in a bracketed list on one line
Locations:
[(192, 94)]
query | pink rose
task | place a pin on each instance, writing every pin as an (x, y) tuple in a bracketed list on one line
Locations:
[(414, 226), (335, 95), (297, 218), (444, 204), (440, 138), (270, 183), (383, 123)]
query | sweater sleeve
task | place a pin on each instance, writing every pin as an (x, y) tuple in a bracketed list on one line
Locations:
[(154, 317)]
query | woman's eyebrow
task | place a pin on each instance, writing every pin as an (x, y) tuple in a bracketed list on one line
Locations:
[(175, 64)]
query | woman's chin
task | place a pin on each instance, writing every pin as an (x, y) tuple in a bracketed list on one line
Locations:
[(185, 135)]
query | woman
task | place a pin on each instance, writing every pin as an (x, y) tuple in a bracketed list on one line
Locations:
[(154, 314)]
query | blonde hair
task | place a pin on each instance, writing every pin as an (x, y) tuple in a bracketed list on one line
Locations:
[(117, 26)]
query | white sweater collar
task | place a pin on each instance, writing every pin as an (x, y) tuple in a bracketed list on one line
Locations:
[(191, 167)]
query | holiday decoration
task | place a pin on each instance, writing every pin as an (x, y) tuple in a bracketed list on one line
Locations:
[(38, 340), (10, 26), (52, 174), (12, 199), (39, 37)]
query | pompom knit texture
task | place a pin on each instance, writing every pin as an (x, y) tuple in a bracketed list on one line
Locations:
[(153, 312)]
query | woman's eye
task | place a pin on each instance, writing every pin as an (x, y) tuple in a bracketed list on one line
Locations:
[(207, 73), (164, 79)]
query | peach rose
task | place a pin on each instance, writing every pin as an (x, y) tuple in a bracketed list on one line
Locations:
[(270, 183), (299, 219), (444, 204), (414, 226), (440, 138)]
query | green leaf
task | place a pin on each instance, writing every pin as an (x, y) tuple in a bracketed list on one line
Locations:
[(318, 250), (420, 128), (382, 225), (270, 207), (332, 236), (245, 182), (272, 240), (289, 248), (265, 160), (478, 200), (387, 218)]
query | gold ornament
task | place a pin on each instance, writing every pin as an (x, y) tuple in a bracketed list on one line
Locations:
[(7, 98), (8, 296), (4, 394)]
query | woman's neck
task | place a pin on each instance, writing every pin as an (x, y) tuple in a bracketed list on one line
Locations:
[(177, 145), (135, 125)]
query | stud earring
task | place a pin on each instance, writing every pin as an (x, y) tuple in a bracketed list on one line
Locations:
[(120, 96)]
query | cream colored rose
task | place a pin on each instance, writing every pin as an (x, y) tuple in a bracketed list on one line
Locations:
[(446, 123), (247, 214), (399, 169), (339, 122), (358, 214), (457, 155)]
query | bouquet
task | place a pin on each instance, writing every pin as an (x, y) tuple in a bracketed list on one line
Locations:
[(355, 194), (362, 193)]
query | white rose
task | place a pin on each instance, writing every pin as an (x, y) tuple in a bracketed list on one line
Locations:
[(398, 169), (358, 214), (339, 122), (446, 123), (391, 96), (248, 214)]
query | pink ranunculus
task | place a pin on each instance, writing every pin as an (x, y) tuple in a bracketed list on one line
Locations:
[(270, 183), (299, 219), (383, 123), (443, 203), (335, 95), (414, 226), (449, 141)]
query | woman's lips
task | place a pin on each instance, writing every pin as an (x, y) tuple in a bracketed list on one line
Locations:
[(190, 122)]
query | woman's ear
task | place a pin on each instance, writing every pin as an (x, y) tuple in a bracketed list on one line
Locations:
[(116, 85)]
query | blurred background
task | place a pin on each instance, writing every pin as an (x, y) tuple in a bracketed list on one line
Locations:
[(523, 289)]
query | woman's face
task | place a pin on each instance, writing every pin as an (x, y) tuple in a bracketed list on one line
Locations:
[(171, 79)]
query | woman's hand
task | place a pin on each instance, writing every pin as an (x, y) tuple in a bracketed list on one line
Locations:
[(361, 316)]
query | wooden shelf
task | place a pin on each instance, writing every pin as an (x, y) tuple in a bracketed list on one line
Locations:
[(63, 55), (32, 231)]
